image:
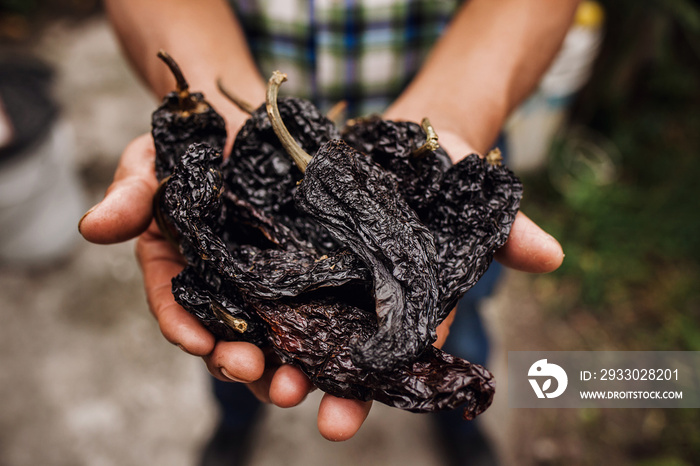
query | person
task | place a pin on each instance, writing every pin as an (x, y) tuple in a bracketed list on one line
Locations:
[(486, 58)]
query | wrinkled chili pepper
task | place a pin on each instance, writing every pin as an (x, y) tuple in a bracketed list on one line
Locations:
[(468, 207), (260, 172), (219, 307), (192, 202), (183, 118), (315, 331), (434, 381), (360, 205), (408, 150), (471, 218)]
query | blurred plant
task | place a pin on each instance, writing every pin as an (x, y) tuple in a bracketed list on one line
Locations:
[(622, 194)]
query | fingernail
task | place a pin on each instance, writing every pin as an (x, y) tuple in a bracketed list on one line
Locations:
[(226, 374), (80, 223), (182, 348)]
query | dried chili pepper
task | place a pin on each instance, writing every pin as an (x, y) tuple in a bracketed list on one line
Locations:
[(434, 381), (260, 172), (222, 278), (471, 218), (258, 153), (408, 150), (360, 205), (183, 118), (468, 207), (191, 201), (220, 308)]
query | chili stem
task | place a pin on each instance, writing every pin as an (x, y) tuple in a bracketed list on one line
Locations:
[(337, 110), (431, 139), (300, 157), (494, 157), (235, 323), (186, 103), (182, 85), (241, 104)]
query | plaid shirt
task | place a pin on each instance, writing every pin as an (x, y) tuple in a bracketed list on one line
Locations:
[(361, 51)]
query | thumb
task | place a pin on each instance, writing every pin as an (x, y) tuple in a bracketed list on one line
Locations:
[(529, 248), (126, 210)]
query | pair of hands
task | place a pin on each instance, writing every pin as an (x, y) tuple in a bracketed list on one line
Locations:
[(125, 213)]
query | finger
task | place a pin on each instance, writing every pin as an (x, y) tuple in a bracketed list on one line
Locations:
[(125, 211), (443, 330), (261, 387), (289, 387), (160, 263), (339, 418), (236, 361), (529, 248)]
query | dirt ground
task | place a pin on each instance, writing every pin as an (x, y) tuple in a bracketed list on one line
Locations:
[(87, 378)]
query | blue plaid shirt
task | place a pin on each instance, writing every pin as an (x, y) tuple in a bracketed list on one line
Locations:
[(363, 52)]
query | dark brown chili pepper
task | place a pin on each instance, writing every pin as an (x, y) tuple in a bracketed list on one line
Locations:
[(183, 118), (471, 218), (222, 277), (260, 172), (359, 203), (408, 150), (468, 207), (434, 381), (218, 306), (192, 202)]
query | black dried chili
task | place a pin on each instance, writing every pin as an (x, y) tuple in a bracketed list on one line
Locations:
[(408, 150), (434, 381), (183, 118), (360, 205)]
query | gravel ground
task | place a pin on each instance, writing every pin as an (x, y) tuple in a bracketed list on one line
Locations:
[(87, 378)]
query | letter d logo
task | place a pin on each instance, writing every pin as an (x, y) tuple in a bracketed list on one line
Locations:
[(543, 369)]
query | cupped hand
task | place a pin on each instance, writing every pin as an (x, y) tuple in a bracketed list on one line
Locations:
[(125, 213)]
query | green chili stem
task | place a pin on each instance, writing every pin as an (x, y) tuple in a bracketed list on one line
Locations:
[(300, 157)]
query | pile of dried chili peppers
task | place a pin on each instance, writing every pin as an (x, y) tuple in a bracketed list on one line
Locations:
[(339, 250)]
